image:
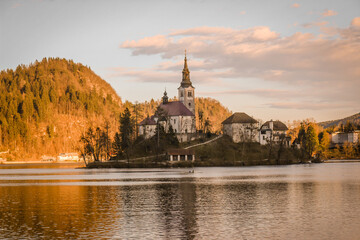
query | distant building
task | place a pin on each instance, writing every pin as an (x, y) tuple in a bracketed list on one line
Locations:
[(241, 128), (180, 115), (45, 158), (341, 137), (68, 157), (273, 131), (147, 127)]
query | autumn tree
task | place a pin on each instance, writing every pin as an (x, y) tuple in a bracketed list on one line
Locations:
[(324, 142), (94, 144), (348, 150)]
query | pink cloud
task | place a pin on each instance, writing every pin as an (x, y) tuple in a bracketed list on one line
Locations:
[(296, 5), (329, 13), (264, 33), (355, 22)]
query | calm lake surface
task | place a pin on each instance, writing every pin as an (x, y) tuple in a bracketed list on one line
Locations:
[(317, 201)]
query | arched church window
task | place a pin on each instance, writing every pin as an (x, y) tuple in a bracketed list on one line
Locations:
[(189, 94), (189, 104), (181, 94)]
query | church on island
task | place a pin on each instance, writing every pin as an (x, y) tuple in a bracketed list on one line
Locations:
[(176, 115), (179, 117)]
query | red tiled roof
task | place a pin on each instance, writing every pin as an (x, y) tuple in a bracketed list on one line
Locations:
[(176, 108)]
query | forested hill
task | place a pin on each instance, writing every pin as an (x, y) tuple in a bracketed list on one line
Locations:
[(47, 105), (354, 119)]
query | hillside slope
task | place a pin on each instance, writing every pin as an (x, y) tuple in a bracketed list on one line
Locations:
[(44, 107), (355, 119)]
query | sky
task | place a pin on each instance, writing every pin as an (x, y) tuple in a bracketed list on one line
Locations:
[(280, 59)]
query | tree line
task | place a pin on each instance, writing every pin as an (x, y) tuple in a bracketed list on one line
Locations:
[(315, 142), (97, 146)]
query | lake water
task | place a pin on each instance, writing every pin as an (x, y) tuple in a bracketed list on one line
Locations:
[(317, 201)]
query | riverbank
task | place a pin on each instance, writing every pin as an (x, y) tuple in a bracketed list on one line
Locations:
[(341, 160), (39, 164)]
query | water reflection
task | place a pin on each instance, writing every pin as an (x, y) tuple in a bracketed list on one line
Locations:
[(294, 202)]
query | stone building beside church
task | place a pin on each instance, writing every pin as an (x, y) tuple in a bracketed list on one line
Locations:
[(241, 128), (180, 115)]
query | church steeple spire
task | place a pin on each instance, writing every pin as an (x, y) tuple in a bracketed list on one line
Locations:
[(185, 74), (165, 98), (185, 63)]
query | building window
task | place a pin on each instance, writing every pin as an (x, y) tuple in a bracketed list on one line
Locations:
[(189, 157), (189, 104), (174, 121), (175, 157), (189, 94), (181, 94)]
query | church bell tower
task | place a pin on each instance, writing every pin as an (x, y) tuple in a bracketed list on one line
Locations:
[(186, 91)]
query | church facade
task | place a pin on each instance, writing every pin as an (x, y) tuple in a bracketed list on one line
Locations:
[(178, 115)]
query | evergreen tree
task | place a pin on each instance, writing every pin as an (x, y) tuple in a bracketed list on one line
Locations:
[(171, 138), (349, 127), (312, 140), (126, 130), (207, 127), (301, 136)]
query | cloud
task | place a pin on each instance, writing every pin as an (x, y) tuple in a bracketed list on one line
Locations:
[(296, 5), (329, 13), (355, 22), (326, 66), (147, 45), (315, 24)]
